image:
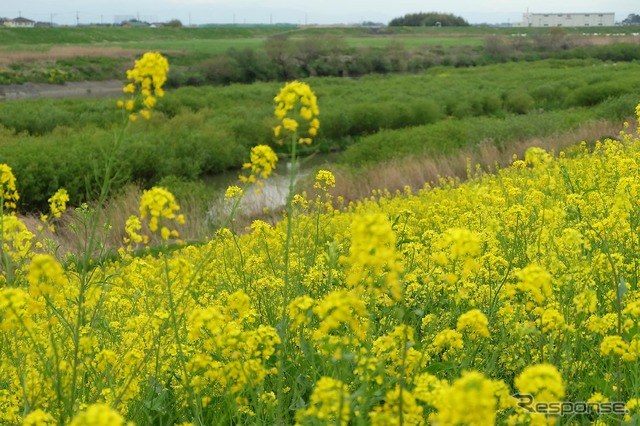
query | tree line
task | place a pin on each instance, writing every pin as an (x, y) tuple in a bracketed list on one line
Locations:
[(431, 19)]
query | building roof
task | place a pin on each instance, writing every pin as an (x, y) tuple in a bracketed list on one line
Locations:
[(571, 13), (21, 19)]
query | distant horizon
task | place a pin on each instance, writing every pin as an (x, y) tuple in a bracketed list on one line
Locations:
[(328, 12), (142, 19)]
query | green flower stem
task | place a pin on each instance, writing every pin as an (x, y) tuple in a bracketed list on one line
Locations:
[(283, 330)]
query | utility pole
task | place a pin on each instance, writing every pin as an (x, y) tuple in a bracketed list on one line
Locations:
[(77, 18)]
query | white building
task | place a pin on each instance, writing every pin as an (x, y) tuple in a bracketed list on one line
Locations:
[(19, 23), (568, 20)]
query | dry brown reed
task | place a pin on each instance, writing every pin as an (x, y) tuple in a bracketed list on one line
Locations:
[(416, 172)]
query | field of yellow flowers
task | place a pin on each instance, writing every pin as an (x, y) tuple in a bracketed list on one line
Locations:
[(510, 298)]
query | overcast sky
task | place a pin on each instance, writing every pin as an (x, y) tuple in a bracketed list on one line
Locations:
[(298, 12)]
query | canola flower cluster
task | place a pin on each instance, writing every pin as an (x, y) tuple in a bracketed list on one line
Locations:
[(158, 210), (410, 308), (147, 80), (296, 104), (262, 163), (8, 194)]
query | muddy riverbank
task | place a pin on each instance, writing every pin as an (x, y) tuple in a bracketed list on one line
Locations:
[(74, 89)]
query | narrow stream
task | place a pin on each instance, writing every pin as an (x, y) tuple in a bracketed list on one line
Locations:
[(273, 194)]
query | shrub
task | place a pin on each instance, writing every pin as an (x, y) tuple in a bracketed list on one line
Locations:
[(220, 70), (518, 102), (595, 93), (498, 47)]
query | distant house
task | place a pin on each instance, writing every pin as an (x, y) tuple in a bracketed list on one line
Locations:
[(135, 23), (19, 23), (567, 20)]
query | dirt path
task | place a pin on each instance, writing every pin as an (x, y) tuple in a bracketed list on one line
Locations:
[(55, 53), (76, 89)]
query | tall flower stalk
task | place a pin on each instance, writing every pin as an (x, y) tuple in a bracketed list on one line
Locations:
[(147, 78), (297, 111)]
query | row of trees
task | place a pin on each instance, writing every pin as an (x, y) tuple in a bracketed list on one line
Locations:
[(431, 19), (632, 19)]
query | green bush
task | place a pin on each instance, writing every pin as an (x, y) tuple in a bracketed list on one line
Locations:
[(595, 93), (617, 52), (220, 70), (620, 108), (550, 95), (518, 102), (448, 136)]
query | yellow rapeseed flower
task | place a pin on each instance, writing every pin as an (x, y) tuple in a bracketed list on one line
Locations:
[(373, 254), (296, 104), (150, 72), (39, 418), (58, 202), (470, 400), (233, 192), (537, 156), (536, 282), (342, 311), (299, 311), (290, 124), (263, 161), (148, 77), (329, 403), (8, 192), (475, 322), (542, 381), (132, 226), (613, 345), (324, 179), (159, 204), (447, 342), (46, 276), (98, 415), (397, 401)]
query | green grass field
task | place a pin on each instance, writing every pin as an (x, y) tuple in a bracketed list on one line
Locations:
[(12, 39), (209, 40)]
